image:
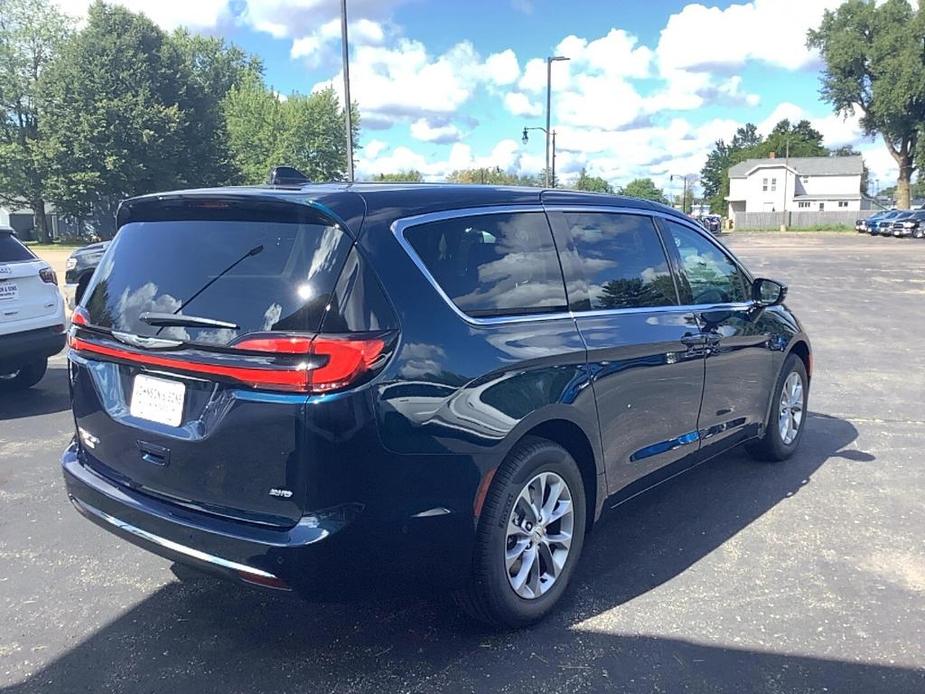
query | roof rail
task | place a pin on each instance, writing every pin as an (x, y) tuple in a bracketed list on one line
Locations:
[(286, 176)]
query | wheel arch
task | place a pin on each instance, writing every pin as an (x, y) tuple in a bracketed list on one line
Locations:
[(801, 349), (576, 441)]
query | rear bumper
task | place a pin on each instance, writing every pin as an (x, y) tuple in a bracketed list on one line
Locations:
[(17, 349), (320, 557)]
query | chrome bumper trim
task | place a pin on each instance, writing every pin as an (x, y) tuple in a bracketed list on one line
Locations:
[(89, 511)]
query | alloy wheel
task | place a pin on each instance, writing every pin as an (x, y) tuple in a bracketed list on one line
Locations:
[(539, 535), (791, 408)]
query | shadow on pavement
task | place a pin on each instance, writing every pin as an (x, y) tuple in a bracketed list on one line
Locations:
[(50, 395), (212, 636)]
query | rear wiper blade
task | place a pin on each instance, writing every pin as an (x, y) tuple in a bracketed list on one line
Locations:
[(164, 320)]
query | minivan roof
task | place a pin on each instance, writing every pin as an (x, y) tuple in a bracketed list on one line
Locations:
[(349, 200)]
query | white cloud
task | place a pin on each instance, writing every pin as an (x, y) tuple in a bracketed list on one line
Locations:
[(519, 104), (770, 31), (421, 129), (502, 68), (169, 14), (291, 18), (405, 82), (363, 31)]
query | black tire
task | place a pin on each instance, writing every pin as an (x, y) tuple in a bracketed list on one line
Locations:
[(918, 233), (489, 596), (771, 446), (26, 377)]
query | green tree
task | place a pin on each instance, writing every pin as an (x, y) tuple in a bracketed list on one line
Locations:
[(304, 131), (208, 69), (405, 176), (714, 177), (874, 61), (593, 184), (31, 34), (493, 176), (644, 188), (787, 139), (112, 120)]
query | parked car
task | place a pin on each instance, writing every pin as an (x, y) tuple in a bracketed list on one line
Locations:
[(79, 269), (884, 222), (31, 314), (712, 223), (911, 224), (344, 389)]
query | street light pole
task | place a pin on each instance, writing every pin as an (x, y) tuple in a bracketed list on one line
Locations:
[(549, 61), (552, 167), (347, 103)]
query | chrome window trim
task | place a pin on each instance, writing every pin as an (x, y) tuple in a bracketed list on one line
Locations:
[(399, 226)]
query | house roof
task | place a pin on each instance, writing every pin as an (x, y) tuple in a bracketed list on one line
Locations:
[(804, 166)]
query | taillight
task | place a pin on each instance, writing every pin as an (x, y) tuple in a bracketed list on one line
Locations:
[(48, 276), (78, 317), (329, 363), (348, 359)]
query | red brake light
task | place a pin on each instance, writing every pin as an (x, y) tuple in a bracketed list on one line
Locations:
[(80, 316), (347, 361), (277, 345)]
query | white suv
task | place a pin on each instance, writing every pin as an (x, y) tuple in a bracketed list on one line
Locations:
[(31, 314)]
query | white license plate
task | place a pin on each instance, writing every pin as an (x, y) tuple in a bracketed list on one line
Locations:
[(158, 400), (8, 291)]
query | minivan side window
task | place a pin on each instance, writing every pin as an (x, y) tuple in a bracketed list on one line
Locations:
[(613, 261), (707, 274), (494, 264)]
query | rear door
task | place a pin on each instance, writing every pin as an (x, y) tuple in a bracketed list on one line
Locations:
[(24, 295), (164, 398), (644, 350)]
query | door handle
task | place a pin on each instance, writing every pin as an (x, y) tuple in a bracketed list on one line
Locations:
[(701, 339), (697, 340), (154, 454)]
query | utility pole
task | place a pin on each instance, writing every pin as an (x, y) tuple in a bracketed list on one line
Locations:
[(347, 103)]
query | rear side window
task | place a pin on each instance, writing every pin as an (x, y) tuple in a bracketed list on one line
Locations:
[(258, 276), (12, 251), (493, 265), (708, 275), (613, 261)]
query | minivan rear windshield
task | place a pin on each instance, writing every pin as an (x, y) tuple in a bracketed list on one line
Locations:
[(12, 251), (252, 275)]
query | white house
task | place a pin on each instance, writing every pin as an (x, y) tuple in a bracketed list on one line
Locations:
[(797, 184)]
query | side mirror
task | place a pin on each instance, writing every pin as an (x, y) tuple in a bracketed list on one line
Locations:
[(767, 292)]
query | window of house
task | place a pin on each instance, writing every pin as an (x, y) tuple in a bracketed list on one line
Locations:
[(805, 179), (613, 261), (843, 203), (493, 265), (822, 207), (803, 205), (773, 184), (764, 184)]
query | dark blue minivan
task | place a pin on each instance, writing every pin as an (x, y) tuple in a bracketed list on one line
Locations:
[(350, 388)]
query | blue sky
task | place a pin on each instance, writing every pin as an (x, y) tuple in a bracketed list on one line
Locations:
[(444, 85)]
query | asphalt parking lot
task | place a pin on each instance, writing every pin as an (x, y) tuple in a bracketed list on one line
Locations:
[(808, 576)]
